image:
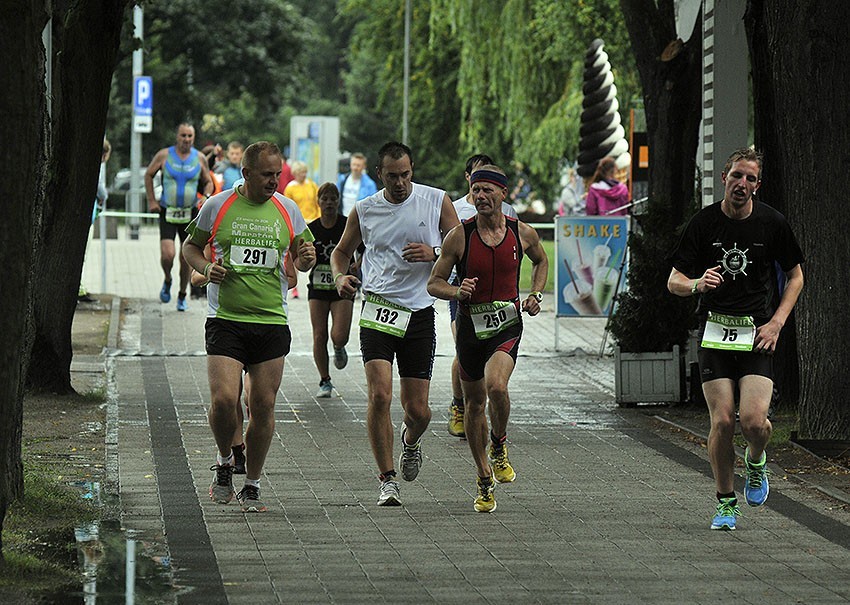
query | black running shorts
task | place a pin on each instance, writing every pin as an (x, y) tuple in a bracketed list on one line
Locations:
[(248, 343), (171, 230), (414, 351)]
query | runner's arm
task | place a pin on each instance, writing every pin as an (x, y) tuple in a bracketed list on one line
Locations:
[(438, 284), (206, 182), (767, 335), (154, 167), (346, 285), (681, 285), (539, 266)]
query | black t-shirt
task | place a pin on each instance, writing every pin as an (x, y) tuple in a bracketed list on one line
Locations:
[(325, 241), (746, 251)]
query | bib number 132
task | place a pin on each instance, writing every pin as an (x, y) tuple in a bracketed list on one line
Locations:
[(384, 316)]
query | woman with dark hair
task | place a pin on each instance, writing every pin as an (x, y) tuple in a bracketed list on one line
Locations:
[(322, 294), (605, 192)]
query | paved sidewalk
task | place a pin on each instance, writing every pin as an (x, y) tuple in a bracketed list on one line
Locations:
[(604, 510)]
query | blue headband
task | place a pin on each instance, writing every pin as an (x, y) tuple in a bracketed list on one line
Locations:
[(489, 176)]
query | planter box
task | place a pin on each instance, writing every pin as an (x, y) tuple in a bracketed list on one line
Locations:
[(649, 377)]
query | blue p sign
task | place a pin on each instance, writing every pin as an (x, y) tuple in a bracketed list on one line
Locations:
[(143, 96)]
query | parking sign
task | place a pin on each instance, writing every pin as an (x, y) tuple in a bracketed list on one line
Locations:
[(143, 96)]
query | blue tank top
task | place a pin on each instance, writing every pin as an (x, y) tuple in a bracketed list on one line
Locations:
[(180, 179)]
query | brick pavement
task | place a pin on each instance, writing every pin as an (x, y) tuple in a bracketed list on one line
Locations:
[(604, 509)]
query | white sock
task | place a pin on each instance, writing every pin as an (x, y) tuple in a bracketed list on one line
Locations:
[(252, 482), (224, 461)]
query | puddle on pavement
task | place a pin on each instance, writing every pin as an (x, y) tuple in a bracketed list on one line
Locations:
[(118, 566)]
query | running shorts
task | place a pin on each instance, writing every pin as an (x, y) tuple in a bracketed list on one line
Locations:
[(474, 353), (717, 363), (414, 351), (248, 343), (171, 230)]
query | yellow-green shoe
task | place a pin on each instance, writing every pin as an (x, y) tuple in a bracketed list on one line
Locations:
[(456, 421), (502, 469), (485, 502)]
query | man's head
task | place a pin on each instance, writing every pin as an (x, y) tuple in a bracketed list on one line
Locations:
[(299, 171), (357, 164), (234, 153), (488, 186), (261, 165), (395, 169), (741, 177), (185, 137), (476, 161), (328, 199)]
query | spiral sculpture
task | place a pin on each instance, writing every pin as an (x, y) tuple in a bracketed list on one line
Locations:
[(601, 133)]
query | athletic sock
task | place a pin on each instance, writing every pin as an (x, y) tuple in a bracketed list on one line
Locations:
[(457, 402), (729, 495), (498, 442), (224, 461), (390, 474), (254, 482)]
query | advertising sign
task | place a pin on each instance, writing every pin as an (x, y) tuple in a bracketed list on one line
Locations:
[(589, 253)]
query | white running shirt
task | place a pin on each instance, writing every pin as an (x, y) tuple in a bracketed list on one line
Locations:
[(386, 228)]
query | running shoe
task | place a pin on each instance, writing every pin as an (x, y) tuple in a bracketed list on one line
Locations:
[(165, 293), (389, 493), (238, 459), (726, 514), (411, 457), (756, 487), (485, 501), (503, 472), (221, 489), (326, 389), (181, 302), (340, 357), (456, 421), (249, 498)]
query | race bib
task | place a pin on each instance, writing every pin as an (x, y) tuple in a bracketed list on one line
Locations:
[(489, 319), (322, 278), (253, 259), (729, 333), (179, 216), (384, 316)]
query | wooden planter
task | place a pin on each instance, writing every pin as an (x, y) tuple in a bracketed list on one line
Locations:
[(649, 377)]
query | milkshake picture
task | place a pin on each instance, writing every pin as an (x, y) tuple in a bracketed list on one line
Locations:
[(601, 254), (604, 285), (583, 269), (579, 295)]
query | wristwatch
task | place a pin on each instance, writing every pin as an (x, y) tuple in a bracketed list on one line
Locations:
[(538, 296), (437, 251)]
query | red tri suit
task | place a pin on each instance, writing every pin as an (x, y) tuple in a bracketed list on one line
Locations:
[(490, 320)]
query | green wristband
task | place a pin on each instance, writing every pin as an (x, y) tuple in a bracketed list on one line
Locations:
[(207, 270), (337, 276), (694, 287)]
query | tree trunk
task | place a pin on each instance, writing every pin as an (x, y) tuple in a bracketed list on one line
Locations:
[(88, 33), (671, 76), (798, 50), (23, 128)]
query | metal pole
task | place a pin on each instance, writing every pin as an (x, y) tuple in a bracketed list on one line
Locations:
[(404, 126), (102, 226), (136, 137), (130, 574)]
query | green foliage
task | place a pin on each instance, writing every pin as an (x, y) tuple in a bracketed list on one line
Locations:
[(648, 317), (238, 69)]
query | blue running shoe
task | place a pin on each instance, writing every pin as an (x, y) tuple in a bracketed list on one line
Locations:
[(165, 293), (726, 514), (181, 303), (756, 487)]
